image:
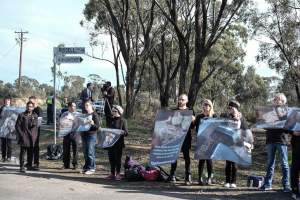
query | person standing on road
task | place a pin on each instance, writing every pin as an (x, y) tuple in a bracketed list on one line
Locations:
[(207, 112), (36, 149), (109, 97), (277, 140), (186, 146), (6, 146), (115, 152), (27, 133), (234, 114), (89, 140), (86, 95), (69, 140)]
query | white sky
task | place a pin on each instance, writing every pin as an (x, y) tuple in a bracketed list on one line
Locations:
[(53, 22)]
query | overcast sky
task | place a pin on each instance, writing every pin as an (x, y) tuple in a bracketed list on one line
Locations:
[(49, 23)]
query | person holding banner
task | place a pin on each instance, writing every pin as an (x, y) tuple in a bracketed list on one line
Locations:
[(36, 150), (115, 152), (5, 142), (89, 139), (27, 133), (277, 140), (186, 146), (233, 113), (207, 112), (69, 140)]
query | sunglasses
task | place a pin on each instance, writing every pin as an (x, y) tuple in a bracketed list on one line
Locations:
[(206, 104)]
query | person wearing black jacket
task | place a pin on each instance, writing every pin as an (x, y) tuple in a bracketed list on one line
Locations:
[(115, 152), (186, 146), (207, 112), (231, 168), (295, 167), (109, 96), (86, 95), (27, 133), (89, 139), (36, 150), (277, 140), (69, 140), (6, 147)]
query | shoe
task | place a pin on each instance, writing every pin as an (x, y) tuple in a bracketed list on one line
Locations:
[(89, 172), (8, 159), (172, 179), (188, 180), (265, 188), (286, 190), (200, 182), (83, 171), (295, 196), (110, 177), (227, 185), (232, 185), (209, 181), (36, 168), (118, 177), (3, 160), (74, 167), (22, 169)]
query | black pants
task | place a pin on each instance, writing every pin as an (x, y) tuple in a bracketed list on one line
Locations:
[(209, 166), (187, 159), (36, 150), (49, 113), (68, 142), (115, 157), (295, 168), (230, 172), (29, 151), (6, 148)]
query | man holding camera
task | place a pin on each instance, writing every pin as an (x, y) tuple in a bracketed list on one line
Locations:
[(108, 93)]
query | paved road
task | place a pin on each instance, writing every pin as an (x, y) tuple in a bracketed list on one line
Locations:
[(57, 184)]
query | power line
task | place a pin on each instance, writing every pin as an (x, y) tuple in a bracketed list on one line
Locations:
[(21, 39), (7, 52)]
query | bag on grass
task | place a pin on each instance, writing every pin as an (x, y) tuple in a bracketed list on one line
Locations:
[(54, 151)]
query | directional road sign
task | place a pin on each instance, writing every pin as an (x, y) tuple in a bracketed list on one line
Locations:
[(68, 59), (71, 50)]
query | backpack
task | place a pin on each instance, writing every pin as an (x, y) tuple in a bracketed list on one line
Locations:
[(150, 174), (54, 151), (133, 170)]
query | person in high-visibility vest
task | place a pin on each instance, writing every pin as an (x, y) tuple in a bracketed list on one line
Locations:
[(50, 105)]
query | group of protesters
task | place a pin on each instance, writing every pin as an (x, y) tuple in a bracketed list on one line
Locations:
[(28, 134)]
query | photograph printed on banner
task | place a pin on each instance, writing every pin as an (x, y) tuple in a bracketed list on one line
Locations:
[(8, 121), (169, 133), (271, 116), (107, 137), (220, 139)]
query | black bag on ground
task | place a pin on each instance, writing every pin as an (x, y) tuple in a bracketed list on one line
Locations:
[(54, 151)]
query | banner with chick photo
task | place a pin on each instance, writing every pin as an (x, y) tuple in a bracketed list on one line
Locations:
[(169, 133)]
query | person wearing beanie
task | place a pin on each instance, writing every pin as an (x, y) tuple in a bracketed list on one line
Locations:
[(115, 152), (233, 113), (207, 112)]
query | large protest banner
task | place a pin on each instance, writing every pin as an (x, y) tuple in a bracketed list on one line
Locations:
[(270, 117), (169, 133), (8, 121), (107, 137), (220, 139), (73, 122)]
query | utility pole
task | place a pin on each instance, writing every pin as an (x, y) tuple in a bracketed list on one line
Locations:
[(21, 39)]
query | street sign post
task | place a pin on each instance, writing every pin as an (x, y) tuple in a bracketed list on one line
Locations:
[(58, 58)]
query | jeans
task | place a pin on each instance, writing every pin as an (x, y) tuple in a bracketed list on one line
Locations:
[(89, 145), (283, 157)]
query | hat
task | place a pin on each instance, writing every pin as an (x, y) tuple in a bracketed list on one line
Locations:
[(119, 109), (234, 103)]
